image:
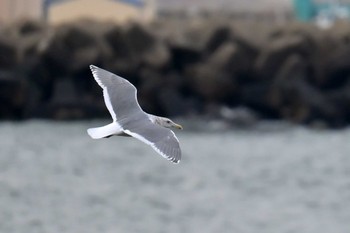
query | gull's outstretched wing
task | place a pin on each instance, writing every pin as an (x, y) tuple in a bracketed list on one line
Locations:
[(162, 140), (119, 94)]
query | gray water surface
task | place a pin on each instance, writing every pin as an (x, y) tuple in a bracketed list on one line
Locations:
[(54, 178)]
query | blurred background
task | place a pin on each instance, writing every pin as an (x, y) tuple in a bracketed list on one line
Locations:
[(262, 88)]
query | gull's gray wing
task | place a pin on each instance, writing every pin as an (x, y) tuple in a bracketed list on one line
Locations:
[(119, 94), (162, 140)]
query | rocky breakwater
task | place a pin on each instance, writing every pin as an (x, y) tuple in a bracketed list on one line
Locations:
[(181, 68)]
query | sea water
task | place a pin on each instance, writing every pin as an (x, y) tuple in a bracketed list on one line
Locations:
[(266, 179)]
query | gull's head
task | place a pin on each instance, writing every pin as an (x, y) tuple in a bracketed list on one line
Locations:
[(167, 123)]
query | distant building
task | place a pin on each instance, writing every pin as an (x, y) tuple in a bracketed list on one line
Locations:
[(12, 10), (106, 10), (60, 11)]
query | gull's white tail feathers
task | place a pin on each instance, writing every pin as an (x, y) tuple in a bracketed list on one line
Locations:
[(104, 131)]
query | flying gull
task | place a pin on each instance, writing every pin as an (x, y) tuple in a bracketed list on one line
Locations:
[(130, 120)]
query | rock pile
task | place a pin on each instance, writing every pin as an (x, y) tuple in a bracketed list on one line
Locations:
[(295, 71)]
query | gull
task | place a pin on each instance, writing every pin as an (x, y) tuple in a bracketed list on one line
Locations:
[(129, 119)]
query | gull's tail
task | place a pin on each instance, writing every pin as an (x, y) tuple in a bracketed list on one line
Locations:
[(104, 131)]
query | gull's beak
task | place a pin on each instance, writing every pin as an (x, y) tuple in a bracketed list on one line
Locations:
[(178, 126)]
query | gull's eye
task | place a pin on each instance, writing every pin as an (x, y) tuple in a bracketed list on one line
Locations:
[(168, 121)]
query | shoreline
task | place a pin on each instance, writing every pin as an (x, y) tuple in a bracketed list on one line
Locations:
[(295, 72)]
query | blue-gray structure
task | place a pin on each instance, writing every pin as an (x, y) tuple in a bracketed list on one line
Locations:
[(307, 10)]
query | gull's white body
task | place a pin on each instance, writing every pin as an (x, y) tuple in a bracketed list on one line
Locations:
[(112, 129)]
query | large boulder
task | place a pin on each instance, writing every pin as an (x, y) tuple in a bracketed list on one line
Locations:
[(234, 58), (189, 43), (21, 43), (274, 54), (296, 99), (340, 99), (13, 95), (146, 46), (255, 95), (134, 45), (9, 55), (210, 83), (293, 69), (337, 67), (122, 58), (69, 105), (72, 48)]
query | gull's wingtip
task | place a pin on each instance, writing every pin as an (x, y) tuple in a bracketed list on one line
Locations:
[(176, 162), (93, 67)]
